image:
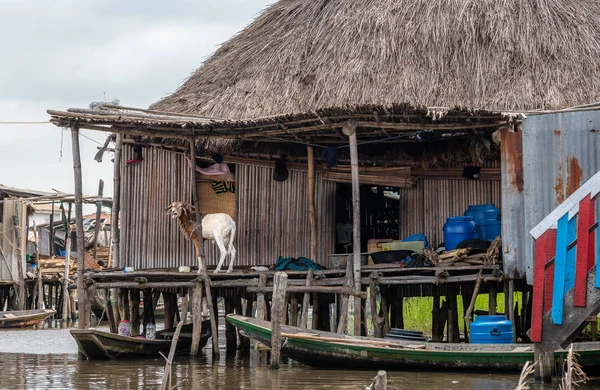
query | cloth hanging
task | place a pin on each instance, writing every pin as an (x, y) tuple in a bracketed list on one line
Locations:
[(330, 156)]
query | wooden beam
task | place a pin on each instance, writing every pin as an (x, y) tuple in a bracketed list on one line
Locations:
[(314, 244), (196, 318), (350, 130), (81, 293), (116, 206)]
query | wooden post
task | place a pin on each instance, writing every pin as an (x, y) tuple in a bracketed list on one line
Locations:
[(294, 310), (469, 313), (312, 215), (230, 333), (40, 282), (134, 308), (83, 316), (185, 308), (544, 364), (166, 382), (116, 205), (306, 301), (66, 296), (279, 286), (315, 311), (245, 341), (398, 301), (385, 310), (196, 318), (98, 212), (510, 311), (342, 323), (51, 230), (169, 310), (200, 255), (110, 313), (72, 305), (453, 331), (350, 130), (493, 295), (377, 323), (261, 304)]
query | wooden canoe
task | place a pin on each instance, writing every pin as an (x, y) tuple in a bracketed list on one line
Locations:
[(23, 318), (332, 350), (96, 344)]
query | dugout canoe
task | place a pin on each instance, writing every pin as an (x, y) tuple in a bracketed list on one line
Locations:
[(96, 344), (331, 350), (23, 318)]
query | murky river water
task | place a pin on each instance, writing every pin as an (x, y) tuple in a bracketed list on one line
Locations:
[(47, 359)]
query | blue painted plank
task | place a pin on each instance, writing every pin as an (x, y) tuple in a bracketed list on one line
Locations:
[(571, 255), (560, 260)]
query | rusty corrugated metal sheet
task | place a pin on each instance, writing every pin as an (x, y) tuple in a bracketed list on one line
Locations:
[(560, 152), (273, 216), (513, 227)]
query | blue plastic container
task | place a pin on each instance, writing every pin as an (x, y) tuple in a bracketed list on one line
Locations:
[(417, 237), (491, 330), (458, 229), (487, 218)]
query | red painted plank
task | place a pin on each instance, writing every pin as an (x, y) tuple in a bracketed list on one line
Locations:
[(581, 265), (592, 238), (538, 288), (550, 252)]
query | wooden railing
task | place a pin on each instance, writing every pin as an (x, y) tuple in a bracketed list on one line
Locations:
[(565, 251)]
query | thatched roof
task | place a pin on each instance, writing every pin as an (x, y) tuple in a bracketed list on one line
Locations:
[(301, 55)]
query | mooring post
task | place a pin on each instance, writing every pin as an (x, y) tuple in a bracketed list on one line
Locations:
[(196, 318), (306, 301), (377, 324), (84, 317), (279, 286), (544, 364)]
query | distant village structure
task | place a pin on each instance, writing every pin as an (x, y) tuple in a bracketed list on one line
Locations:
[(310, 117)]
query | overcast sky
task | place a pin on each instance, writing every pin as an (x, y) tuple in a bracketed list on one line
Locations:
[(68, 53)]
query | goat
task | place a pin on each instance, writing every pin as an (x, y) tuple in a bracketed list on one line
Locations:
[(218, 227)]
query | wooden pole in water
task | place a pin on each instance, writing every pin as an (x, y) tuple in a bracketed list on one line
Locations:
[(98, 212), (377, 324), (200, 255), (116, 205), (379, 382), (306, 301), (280, 284), (312, 215), (66, 296), (510, 311), (81, 297), (40, 282), (196, 318), (342, 323), (350, 130), (294, 310), (166, 382)]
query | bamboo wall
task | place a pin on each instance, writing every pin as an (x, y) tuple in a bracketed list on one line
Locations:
[(425, 207), (273, 216)]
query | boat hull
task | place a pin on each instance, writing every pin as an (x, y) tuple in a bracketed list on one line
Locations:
[(330, 350), (23, 318), (95, 344)]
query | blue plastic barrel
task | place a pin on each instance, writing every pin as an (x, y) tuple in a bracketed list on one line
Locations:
[(491, 330), (458, 229), (487, 218)]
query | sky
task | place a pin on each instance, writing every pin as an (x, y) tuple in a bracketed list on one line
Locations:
[(68, 53)]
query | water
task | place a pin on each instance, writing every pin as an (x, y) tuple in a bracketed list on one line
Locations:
[(47, 359)]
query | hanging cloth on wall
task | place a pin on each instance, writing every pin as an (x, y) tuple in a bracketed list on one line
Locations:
[(281, 172), (220, 187)]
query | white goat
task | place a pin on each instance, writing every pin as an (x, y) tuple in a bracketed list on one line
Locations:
[(218, 227)]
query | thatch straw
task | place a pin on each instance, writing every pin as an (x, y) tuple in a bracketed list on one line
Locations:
[(301, 55)]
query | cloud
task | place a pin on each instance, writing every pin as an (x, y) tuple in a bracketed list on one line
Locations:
[(67, 53)]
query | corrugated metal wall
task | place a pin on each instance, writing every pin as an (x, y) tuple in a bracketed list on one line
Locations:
[(273, 216), (560, 152), (425, 207)]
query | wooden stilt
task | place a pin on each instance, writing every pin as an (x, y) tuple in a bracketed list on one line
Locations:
[(168, 309), (72, 305), (399, 311), (510, 308), (294, 310), (544, 364), (314, 243), (315, 312), (40, 283), (306, 301), (134, 309), (245, 341), (116, 207), (185, 308), (284, 314), (492, 298), (350, 130), (213, 309), (469, 312), (384, 311), (98, 212), (280, 285), (260, 299), (110, 314), (66, 295), (83, 316), (196, 318), (453, 331), (342, 323), (230, 333), (377, 322)]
